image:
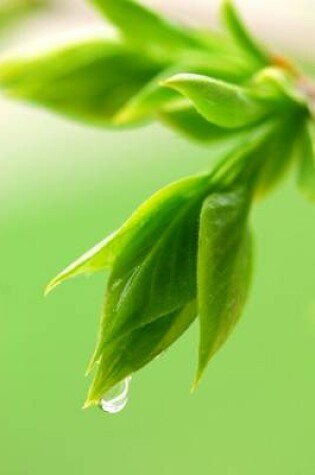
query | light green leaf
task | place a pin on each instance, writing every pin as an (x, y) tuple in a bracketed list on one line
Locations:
[(222, 103), (224, 269), (306, 161), (91, 80), (241, 36), (139, 232), (145, 28), (154, 97), (137, 348)]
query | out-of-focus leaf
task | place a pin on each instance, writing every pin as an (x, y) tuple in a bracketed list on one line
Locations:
[(224, 269), (91, 80), (271, 80), (153, 33), (135, 349), (224, 104), (241, 36), (274, 159), (140, 231), (13, 10), (306, 161)]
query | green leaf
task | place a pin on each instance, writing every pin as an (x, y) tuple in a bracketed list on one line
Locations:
[(152, 33), (92, 80), (275, 157), (139, 233), (155, 98), (147, 29), (137, 348), (224, 269), (221, 103), (147, 283), (306, 161), (241, 36)]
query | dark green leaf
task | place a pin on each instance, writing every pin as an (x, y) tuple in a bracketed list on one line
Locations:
[(306, 162), (224, 269), (224, 104), (241, 36), (90, 81)]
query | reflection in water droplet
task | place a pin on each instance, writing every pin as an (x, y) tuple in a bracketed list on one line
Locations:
[(115, 400)]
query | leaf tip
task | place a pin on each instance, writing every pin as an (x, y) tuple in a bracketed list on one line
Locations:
[(50, 287), (197, 380), (88, 404), (176, 81)]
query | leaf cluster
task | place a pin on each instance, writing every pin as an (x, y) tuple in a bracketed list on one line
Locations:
[(187, 251)]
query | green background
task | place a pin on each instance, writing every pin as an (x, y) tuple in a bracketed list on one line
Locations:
[(63, 188)]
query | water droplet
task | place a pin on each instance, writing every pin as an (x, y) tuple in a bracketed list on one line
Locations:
[(115, 400)]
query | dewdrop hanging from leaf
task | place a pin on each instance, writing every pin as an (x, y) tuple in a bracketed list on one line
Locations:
[(186, 253)]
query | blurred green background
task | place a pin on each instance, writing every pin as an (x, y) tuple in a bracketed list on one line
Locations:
[(63, 188)]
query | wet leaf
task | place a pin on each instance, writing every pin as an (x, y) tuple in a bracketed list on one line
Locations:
[(135, 349), (149, 296)]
